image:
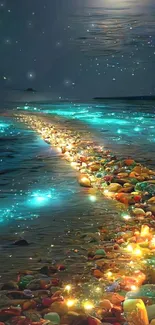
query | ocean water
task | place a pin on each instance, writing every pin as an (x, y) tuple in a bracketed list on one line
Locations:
[(40, 198), (127, 128)]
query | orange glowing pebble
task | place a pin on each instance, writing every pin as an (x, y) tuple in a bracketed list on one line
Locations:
[(84, 181), (129, 162), (95, 167), (137, 169), (133, 175), (121, 197), (98, 274), (30, 304)]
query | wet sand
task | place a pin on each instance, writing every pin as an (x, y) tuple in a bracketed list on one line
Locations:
[(56, 233)]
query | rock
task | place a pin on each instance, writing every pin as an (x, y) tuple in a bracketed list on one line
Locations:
[(127, 189), (93, 321), (33, 315), (70, 317), (48, 270), (151, 312), (146, 187), (18, 295), (53, 317), (79, 320), (30, 304), (138, 211), (7, 313), (152, 322), (21, 242), (114, 187), (98, 274), (152, 200), (28, 293), (135, 312), (151, 208), (24, 281), (20, 320), (122, 175), (46, 302), (84, 181), (106, 304), (11, 285), (129, 162), (34, 285), (115, 298), (4, 300), (59, 307), (100, 252), (95, 167)]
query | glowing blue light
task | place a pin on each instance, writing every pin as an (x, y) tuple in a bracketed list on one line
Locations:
[(3, 125), (119, 131), (40, 198), (92, 198), (137, 129)]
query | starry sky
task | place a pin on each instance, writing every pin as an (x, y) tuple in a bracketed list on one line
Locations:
[(78, 48)]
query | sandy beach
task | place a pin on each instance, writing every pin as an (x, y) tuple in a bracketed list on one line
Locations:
[(59, 232)]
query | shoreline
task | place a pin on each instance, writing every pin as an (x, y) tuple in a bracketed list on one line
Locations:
[(108, 251)]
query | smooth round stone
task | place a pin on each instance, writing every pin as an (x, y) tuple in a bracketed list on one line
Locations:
[(138, 211), (84, 181), (25, 281), (147, 290), (54, 318), (133, 181), (145, 186), (106, 304), (93, 321), (152, 200), (151, 312), (100, 252), (152, 322), (46, 302), (10, 285), (114, 187)]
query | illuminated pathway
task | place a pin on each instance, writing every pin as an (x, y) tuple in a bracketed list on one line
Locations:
[(105, 251), (42, 202), (125, 127)]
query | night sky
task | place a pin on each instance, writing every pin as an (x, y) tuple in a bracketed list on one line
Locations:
[(78, 48)]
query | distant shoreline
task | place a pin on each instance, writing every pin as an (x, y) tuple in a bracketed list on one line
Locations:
[(126, 98)]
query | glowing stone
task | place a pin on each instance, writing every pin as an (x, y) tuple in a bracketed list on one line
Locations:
[(92, 198), (53, 317), (88, 305), (68, 287), (134, 288), (84, 181), (126, 217), (70, 302), (137, 252), (135, 312)]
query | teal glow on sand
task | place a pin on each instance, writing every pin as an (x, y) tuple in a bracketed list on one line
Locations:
[(118, 121), (42, 198)]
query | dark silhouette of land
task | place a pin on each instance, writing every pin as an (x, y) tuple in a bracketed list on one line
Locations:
[(126, 98), (31, 90)]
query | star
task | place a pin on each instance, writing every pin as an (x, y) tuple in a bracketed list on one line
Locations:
[(31, 75)]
